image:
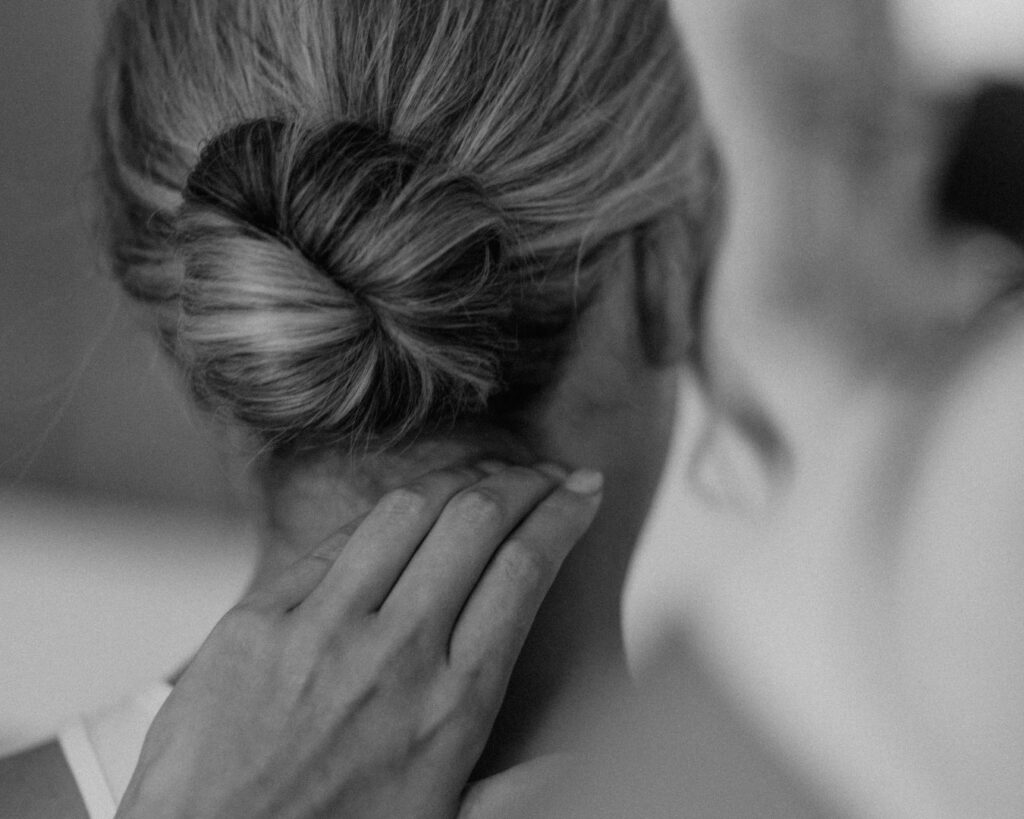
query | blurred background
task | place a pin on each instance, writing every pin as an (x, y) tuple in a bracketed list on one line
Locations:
[(87, 405), (117, 500), (121, 540)]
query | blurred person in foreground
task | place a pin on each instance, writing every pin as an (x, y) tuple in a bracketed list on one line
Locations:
[(861, 633)]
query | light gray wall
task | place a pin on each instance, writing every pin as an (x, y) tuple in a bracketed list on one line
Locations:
[(86, 404)]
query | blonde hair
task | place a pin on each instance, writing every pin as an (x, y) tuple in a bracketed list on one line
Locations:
[(359, 220)]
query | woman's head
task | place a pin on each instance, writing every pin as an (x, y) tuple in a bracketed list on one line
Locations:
[(359, 221)]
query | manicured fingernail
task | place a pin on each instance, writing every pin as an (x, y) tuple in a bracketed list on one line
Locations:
[(492, 467), (552, 471), (585, 482)]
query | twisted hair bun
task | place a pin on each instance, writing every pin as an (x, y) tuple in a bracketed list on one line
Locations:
[(332, 283), (338, 285)]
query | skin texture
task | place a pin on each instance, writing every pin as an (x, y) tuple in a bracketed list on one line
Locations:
[(613, 411), (375, 663)]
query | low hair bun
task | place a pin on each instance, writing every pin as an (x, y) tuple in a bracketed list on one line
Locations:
[(338, 286)]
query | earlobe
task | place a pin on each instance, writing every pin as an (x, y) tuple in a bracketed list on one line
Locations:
[(667, 280)]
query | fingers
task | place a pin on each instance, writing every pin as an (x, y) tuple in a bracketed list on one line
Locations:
[(378, 551), (292, 586), (498, 614), (426, 546), (442, 574)]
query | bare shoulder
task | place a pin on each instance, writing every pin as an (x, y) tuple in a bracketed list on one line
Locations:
[(37, 784)]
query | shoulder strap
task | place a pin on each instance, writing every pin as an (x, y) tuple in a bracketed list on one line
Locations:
[(86, 769), (102, 750)]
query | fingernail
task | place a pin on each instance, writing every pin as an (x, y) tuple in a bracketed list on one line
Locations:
[(491, 467), (585, 482), (552, 471)]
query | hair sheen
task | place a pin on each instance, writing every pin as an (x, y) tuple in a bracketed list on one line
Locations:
[(355, 220)]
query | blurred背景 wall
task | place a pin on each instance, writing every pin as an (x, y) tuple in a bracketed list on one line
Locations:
[(87, 405)]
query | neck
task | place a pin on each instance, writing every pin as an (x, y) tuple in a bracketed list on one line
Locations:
[(575, 642), (576, 638)]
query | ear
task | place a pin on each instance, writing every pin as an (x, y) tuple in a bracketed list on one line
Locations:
[(670, 278)]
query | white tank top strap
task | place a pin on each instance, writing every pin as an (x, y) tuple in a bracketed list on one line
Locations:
[(102, 749), (87, 771)]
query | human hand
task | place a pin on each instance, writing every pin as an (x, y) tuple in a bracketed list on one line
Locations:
[(364, 680)]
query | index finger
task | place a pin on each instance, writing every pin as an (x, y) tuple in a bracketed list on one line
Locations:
[(380, 548)]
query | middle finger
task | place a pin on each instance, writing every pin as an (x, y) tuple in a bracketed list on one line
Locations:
[(378, 551)]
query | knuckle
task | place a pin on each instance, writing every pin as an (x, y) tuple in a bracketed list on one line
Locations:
[(328, 551), (439, 714), (522, 565), (561, 503), (474, 700), (479, 506), (564, 511), (406, 501), (408, 642), (243, 623), (528, 473), (455, 711)]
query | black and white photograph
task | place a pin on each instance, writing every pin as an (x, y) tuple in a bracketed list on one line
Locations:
[(511, 409)]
